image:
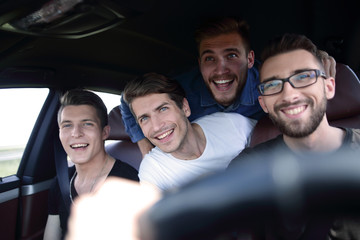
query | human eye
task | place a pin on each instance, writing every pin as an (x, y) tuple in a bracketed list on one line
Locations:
[(272, 84), (209, 59), (232, 55), (162, 109), (143, 119), (65, 125), (271, 87), (88, 124), (303, 78)]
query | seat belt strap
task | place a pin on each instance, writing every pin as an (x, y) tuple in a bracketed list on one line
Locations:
[(62, 172)]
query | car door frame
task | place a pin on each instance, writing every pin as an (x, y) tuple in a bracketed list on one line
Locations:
[(24, 196)]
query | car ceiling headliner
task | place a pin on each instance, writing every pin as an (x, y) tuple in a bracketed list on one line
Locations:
[(158, 36)]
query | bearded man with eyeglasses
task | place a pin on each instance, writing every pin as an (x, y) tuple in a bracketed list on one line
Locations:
[(294, 91)]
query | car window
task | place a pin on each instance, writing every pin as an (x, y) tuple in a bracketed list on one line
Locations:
[(110, 100), (19, 109)]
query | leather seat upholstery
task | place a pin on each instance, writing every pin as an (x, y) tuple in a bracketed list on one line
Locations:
[(122, 148)]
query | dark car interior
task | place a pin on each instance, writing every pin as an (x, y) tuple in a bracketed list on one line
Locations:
[(102, 44)]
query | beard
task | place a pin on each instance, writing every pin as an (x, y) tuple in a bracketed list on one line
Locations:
[(227, 99), (300, 128)]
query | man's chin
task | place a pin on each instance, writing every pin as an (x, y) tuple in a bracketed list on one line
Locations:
[(296, 130), (166, 149), (224, 101)]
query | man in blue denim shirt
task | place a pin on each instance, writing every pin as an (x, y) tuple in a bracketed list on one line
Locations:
[(224, 82), (203, 103)]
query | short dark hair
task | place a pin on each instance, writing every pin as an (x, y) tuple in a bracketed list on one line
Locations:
[(289, 42), (215, 26), (83, 97), (153, 83)]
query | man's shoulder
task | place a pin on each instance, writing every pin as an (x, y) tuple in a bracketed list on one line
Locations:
[(123, 169), (155, 155), (355, 137), (269, 145), (260, 149), (155, 163), (224, 120), (356, 131)]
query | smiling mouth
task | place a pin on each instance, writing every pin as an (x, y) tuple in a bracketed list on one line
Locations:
[(79, 145), (165, 134), (295, 111), (218, 82), (223, 84)]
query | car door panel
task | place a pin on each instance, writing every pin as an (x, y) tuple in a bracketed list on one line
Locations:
[(9, 202), (34, 199)]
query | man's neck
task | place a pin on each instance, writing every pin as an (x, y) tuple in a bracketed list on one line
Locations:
[(324, 139), (91, 168)]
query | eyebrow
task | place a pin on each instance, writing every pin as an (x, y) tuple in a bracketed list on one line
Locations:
[(226, 50), (292, 73), (206, 52)]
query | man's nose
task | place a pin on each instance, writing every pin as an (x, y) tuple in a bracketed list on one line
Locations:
[(221, 66), (157, 122), (289, 92), (77, 131)]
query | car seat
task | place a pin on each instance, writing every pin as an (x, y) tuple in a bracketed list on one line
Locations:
[(122, 148), (342, 111)]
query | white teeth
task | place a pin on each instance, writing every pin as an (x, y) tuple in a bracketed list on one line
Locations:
[(295, 110), (222, 81), (165, 134), (80, 145)]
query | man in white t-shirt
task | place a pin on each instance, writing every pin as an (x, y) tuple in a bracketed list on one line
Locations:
[(184, 150)]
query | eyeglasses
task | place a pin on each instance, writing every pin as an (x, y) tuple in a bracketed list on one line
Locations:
[(298, 80)]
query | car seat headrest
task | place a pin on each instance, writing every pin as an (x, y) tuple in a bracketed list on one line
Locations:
[(117, 131), (346, 102)]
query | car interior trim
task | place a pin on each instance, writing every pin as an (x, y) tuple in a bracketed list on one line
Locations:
[(35, 188), (9, 195)]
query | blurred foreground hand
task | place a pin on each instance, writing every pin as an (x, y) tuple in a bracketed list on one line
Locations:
[(112, 212)]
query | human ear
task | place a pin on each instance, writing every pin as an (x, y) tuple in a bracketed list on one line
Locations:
[(251, 59), (329, 87), (186, 107), (106, 132), (262, 104)]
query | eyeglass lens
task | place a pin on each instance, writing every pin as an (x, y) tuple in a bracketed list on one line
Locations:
[(298, 80)]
